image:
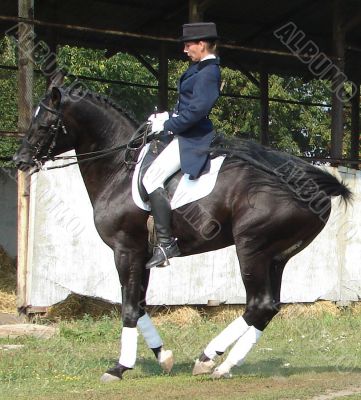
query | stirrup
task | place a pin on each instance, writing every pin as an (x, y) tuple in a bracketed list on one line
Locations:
[(166, 262), (161, 255)]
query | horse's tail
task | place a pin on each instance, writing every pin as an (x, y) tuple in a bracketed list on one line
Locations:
[(329, 184), (303, 180)]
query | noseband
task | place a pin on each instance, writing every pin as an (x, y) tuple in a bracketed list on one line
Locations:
[(50, 137)]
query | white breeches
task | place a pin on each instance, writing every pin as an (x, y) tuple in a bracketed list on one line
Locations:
[(165, 165)]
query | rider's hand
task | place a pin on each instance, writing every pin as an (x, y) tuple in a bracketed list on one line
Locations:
[(157, 126), (164, 116), (158, 120)]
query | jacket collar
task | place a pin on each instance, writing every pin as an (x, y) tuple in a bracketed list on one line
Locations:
[(196, 67), (210, 61)]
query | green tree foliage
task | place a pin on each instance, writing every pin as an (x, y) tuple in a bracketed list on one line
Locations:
[(293, 127), (8, 98), (121, 67)]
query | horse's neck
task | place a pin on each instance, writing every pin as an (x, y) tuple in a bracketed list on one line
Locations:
[(94, 130)]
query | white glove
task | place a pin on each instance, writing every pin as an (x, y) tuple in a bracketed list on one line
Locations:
[(158, 120)]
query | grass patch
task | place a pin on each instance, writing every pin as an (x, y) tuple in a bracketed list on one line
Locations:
[(297, 358)]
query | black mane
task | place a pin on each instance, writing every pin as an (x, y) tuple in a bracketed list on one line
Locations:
[(105, 101)]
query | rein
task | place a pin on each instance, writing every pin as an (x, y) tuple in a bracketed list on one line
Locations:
[(131, 146), (137, 141)]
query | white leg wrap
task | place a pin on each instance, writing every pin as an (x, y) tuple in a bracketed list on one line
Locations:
[(228, 336), (149, 332), (240, 350), (128, 352)]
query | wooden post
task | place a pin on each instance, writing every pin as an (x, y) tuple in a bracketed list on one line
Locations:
[(337, 120), (49, 66), (195, 13), (355, 125), (163, 78), (25, 90), (264, 107)]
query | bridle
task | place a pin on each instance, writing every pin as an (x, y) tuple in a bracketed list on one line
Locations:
[(52, 132), (47, 142)]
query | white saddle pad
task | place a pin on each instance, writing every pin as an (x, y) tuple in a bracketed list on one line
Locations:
[(187, 190)]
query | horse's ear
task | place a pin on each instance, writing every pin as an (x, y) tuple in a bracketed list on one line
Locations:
[(57, 80), (56, 95)]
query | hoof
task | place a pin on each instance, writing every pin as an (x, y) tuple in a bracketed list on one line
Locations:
[(166, 360), (203, 367), (106, 378), (219, 374), (114, 374)]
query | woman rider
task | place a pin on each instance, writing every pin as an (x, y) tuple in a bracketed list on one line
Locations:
[(198, 88)]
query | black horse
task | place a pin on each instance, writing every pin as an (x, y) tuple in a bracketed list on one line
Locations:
[(269, 204)]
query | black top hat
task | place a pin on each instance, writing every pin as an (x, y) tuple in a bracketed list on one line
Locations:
[(199, 31)]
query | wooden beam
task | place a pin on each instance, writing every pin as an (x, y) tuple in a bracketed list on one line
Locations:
[(300, 9), (13, 331), (355, 125), (195, 13), (250, 76), (264, 88), (203, 5), (337, 119), (352, 23), (163, 78), (14, 134), (147, 65), (237, 47), (25, 106), (197, 9)]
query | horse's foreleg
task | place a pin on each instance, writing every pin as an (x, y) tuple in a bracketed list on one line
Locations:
[(134, 279), (150, 333), (130, 269), (155, 343)]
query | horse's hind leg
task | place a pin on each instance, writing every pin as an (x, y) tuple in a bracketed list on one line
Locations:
[(262, 288)]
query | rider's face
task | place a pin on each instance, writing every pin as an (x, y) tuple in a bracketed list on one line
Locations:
[(194, 50)]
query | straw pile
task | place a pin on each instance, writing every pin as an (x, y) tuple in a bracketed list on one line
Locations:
[(7, 283), (76, 306), (311, 310)]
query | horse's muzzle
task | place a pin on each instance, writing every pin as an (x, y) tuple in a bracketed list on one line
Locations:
[(24, 162)]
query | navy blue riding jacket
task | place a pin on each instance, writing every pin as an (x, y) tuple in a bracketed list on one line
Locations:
[(199, 88)]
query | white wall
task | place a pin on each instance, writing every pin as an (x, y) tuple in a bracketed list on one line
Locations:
[(66, 255)]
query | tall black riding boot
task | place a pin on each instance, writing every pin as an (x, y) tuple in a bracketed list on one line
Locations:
[(167, 246)]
